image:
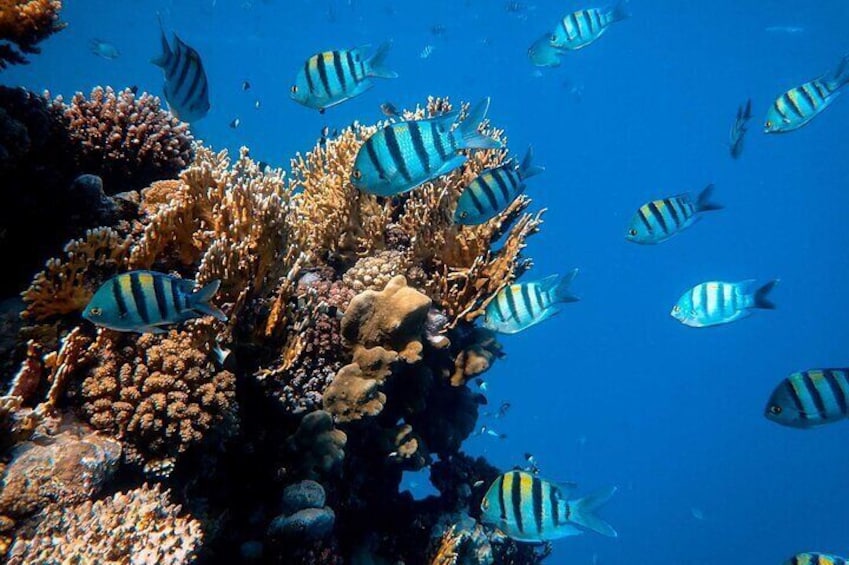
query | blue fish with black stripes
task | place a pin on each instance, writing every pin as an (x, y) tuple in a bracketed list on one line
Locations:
[(145, 301), (801, 104), (332, 77), (401, 156), (717, 302), (816, 558), (810, 398), (530, 509), (519, 306), (658, 220), (580, 28), (186, 87), (491, 192)]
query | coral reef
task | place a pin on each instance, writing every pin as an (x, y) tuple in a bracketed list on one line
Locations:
[(23, 25), (139, 526)]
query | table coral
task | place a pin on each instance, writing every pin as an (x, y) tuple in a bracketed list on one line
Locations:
[(23, 25), (128, 141), (138, 526)]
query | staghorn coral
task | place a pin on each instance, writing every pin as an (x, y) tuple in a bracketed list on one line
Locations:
[(128, 141), (159, 395), (139, 526), (23, 25), (66, 286)]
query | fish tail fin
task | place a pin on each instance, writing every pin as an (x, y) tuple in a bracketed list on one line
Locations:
[(620, 12), (703, 204), (467, 132), (200, 301), (582, 512), (376, 66), (162, 59), (527, 169), (747, 115), (760, 297), (840, 77), (558, 288)]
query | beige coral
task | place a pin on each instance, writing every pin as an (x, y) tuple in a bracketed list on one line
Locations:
[(135, 527), (24, 24)]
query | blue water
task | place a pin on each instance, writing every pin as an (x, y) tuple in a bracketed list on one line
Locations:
[(612, 391)]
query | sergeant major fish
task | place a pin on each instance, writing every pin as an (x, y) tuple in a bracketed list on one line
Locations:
[(144, 301), (579, 29), (659, 220), (491, 192), (812, 558), (403, 155), (519, 306), (530, 509), (332, 77), (543, 54), (186, 87), (799, 105), (810, 398), (739, 129), (716, 302)]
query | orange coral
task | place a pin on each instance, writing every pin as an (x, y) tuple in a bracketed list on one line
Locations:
[(24, 24)]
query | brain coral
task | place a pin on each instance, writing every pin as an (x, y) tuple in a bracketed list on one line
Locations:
[(158, 394)]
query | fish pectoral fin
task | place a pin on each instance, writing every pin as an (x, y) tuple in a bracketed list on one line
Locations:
[(450, 165)]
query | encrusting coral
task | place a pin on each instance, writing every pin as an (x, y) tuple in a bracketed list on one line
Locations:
[(139, 526), (23, 25)]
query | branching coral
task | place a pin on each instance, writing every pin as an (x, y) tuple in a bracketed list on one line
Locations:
[(23, 25), (139, 526), (159, 394), (128, 141)]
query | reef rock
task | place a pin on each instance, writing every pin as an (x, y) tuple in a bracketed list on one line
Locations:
[(320, 446), (309, 523)]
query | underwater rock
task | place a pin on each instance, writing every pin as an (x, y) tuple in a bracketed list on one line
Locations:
[(65, 469), (96, 206), (319, 446), (309, 523), (305, 494)]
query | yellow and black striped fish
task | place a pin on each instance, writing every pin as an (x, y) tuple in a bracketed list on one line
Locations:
[(659, 220), (810, 398), (186, 86), (144, 301), (528, 508), (520, 306), (799, 105), (811, 558), (331, 77)]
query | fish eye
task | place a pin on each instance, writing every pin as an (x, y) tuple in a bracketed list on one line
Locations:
[(676, 309), (358, 174), (95, 311), (775, 409), (632, 232), (768, 124), (294, 89), (485, 504), (464, 214)]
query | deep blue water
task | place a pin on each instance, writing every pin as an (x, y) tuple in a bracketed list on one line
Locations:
[(612, 391)]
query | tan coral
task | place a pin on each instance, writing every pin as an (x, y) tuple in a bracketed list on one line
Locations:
[(66, 285), (355, 392), (138, 526), (319, 447), (24, 24), (476, 357)]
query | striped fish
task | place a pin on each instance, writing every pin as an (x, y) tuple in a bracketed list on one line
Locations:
[(739, 129), (403, 155), (659, 220), (331, 77), (144, 301), (186, 87), (801, 104), (810, 398), (716, 302), (816, 559), (528, 508), (493, 190), (520, 306), (581, 28)]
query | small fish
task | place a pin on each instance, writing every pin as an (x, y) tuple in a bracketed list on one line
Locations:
[(257, 104), (487, 431), (332, 77), (186, 87), (426, 52), (478, 483), (503, 409), (389, 110), (134, 89), (491, 192), (543, 54), (519, 306), (246, 85), (223, 356), (103, 49), (145, 301), (812, 558), (438, 30), (697, 513), (799, 105), (481, 384), (739, 129), (235, 123), (659, 220), (403, 155), (716, 302), (531, 509), (532, 464), (792, 30), (579, 29), (810, 398)]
